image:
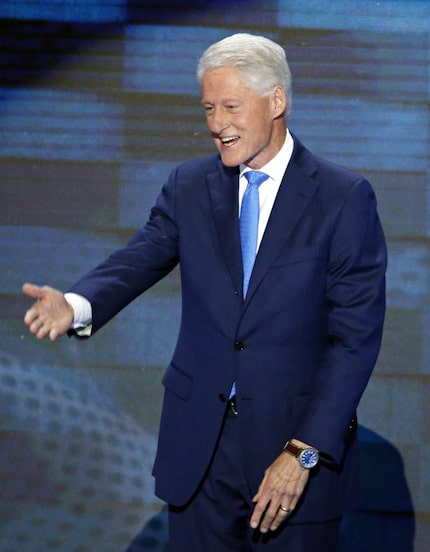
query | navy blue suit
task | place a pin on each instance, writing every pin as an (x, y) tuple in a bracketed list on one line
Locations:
[(300, 348)]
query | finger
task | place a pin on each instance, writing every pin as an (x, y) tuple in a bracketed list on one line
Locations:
[(281, 516), (255, 518), (37, 328), (30, 316), (41, 332), (53, 334), (44, 330), (34, 327), (257, 514), (272, 518), (36, 322), (33, 291), (260, 504)]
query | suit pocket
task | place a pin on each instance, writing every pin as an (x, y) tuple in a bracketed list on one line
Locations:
[(311, 253), (178, 382)]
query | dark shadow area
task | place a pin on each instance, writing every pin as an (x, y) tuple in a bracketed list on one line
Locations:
[(153, 537), (382, 520), (384, 517), (31, 49), (199, 12)]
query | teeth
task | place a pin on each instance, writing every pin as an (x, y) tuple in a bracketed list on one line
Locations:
[(229, 139)]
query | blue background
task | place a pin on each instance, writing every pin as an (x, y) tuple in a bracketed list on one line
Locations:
[(98, 101)]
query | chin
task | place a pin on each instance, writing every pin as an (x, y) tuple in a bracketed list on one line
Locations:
[(230, 160)]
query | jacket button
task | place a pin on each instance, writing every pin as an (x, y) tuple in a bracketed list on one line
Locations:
[(222, 397), (239, 346)]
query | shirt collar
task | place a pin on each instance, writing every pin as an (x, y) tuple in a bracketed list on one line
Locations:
[(277, 166)]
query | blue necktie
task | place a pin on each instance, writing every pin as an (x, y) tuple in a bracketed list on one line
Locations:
[(248, 225), (249, 214)]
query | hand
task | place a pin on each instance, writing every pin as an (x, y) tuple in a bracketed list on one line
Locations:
[(282, 486), (51, 315)]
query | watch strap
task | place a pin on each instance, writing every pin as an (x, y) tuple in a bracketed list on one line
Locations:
[(293, 449), (307, 457)]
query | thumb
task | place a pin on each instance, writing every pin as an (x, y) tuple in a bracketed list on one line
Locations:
[(33, 291)]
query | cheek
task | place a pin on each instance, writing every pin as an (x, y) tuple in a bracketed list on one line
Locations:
[(260, 131), (260, 122)]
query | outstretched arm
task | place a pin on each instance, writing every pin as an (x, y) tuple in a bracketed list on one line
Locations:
[(50, 315)]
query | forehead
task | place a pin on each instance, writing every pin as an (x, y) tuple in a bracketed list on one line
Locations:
[(225, 81)]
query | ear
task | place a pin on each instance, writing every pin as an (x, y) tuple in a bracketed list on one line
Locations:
[(279, 100)]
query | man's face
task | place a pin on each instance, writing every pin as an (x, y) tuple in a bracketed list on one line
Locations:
[(241, 122)]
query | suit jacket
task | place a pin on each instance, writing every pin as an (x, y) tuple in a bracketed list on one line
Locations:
[(300, 348)]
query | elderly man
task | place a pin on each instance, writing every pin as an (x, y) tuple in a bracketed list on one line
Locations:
[(282, 261)]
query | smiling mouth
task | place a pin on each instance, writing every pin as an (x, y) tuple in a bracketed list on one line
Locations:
[(229, 141)]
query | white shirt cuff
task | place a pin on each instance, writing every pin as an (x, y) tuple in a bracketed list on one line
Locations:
[(83, 313)]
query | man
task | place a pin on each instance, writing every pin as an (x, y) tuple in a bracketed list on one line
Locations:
[(257, 443)]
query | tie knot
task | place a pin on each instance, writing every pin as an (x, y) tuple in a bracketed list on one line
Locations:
[(255, 178)]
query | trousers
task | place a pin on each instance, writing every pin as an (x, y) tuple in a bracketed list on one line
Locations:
[(217, 517)]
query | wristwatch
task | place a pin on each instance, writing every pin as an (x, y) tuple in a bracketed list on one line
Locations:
[(306, 456)]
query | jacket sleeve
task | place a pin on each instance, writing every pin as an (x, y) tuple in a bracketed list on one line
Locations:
[(149, 256), (356, 306)]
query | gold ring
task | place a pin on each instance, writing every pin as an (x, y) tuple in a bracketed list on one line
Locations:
[(286, 510)]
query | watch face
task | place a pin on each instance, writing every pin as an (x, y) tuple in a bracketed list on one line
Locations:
[(309, 458)]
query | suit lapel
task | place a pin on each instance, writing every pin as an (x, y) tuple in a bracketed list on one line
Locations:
[(296, 191), (223, 193)]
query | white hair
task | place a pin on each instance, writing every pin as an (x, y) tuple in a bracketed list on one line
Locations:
[(260, 62)]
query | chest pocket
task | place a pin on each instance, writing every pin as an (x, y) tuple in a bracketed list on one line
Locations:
[(304, 254)]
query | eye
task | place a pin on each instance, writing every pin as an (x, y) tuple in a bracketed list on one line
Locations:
[(208, 109)]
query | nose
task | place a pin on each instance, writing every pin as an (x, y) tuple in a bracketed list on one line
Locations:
[(217, 121)]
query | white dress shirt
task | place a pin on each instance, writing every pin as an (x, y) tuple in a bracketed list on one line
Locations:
[(275, 170)]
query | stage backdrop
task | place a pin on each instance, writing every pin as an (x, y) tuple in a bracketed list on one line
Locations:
[(98, 101)]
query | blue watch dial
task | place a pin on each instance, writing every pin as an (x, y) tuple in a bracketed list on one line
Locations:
[(309, 458)]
